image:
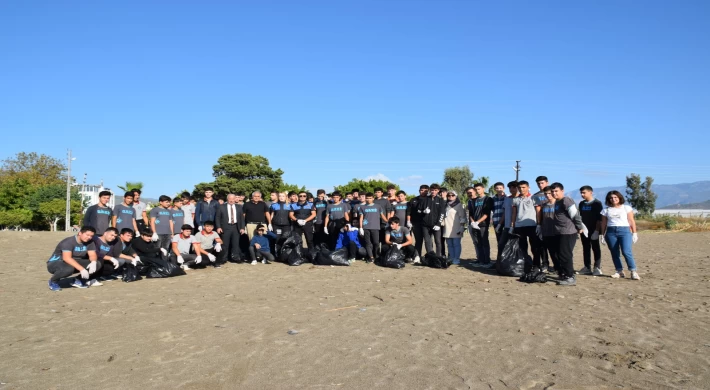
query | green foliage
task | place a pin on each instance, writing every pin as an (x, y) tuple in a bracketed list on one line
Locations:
[(243, 172), (640, 194), (131, 185), (364, 186), (14, 218), (14, 193), (51, 192), (459, 178), (54, 210), (36, 169)]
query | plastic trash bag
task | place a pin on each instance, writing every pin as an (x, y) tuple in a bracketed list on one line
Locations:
[(326, 257), (534, 277), (130, 273), (163, 269), (511, 261), (312, 254), (435, 261), (292, 243), (394, 258)]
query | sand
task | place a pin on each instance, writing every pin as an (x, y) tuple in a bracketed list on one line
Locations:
[(359, 327)]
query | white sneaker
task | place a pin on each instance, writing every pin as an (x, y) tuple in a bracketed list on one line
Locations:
[(185, 267), (417, 260), (584, 271), (597, 272), (635, 275), (94, 282), (253, 262), (263, 261), (618, 275)]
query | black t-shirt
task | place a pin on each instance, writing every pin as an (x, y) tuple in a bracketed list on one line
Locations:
[(254, 212), (591, 213), (121, 248)]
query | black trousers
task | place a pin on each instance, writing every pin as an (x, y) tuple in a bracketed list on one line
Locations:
[(189, 259), (502, 238), (372, 242), (563, 248), (356, 253), (528, 233), (334, 231), (319, 235), (306, 230), (589, 246), (230, 244), (141, 227), (418, 231), (430, 234), (165, 241), (60, 270), (284, 229), (551, 243), (409, 251)]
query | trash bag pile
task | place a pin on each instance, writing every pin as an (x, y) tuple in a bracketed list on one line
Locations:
[(435, 261), (394, 258), (290, 249), (511, 261), (325, 256), (534, 277), (165, 269), (130, 273)]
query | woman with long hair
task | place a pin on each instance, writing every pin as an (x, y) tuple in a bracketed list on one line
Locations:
[(454, 224), (619, 233)]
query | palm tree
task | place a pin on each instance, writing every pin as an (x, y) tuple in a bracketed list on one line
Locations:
[(131, 185)]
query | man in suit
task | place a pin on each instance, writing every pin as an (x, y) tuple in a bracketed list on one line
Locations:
[(229, 221)]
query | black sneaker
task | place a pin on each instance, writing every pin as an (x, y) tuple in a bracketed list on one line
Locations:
[(567, 282), (368, 261)]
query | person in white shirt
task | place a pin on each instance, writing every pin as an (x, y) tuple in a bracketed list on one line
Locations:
[(619, 232)]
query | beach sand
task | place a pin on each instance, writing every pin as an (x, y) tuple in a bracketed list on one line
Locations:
[(359, 327)]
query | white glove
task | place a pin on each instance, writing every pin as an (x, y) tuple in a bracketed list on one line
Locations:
[(198, 259), (165, 252), (595, 235), (180, 260), (301, 222), (271, 228), (211, 257), (136, 260), (635, 237), (325, 230), (84, 274), (511, 230), (427, 210), (155, 237), (474, 225), (199, 228), (585, 231), (91, 267), (218, 247), (437, 228), (399, 246), (115, 263), (602, 240), (362, 232), (409, 224)]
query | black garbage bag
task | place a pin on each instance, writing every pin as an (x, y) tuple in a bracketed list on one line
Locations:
[(435, 261), (130, 273), (534, 277), (326, 257), (312, 254), (511, 261), (288, 245), (394, 258), (160, 268)]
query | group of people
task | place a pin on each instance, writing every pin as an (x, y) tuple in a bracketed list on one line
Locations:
[(212, 231)]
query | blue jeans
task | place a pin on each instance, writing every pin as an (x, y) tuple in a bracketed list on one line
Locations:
[(454, 247), (618, 238)]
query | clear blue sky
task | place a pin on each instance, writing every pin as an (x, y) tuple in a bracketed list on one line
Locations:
[(582, 91)]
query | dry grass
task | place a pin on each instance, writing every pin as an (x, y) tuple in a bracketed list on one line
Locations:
[(674, 224)]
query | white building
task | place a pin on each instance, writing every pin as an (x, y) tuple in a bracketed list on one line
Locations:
[(90, 194)]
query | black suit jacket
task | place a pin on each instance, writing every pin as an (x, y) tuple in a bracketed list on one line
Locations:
[(222, 217)]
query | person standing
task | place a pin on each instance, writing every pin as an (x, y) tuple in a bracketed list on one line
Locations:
[(99, 216), (504, 223), (280, 222), (142, 221), (337, 215), (371, 214), (497, 214), (619, 233), (414, 217), (177, 216), (75, 254), (160, 223), (524, 223), (124, 216), (568, 223), (230, 225), (387, 210), (256, 213), (189, 209), (591, 210), (433, 210), (320, 205), (479, 212), (454, 225), (547, 224), (302, 215), (540, 199), (206, 209), (400, 207)]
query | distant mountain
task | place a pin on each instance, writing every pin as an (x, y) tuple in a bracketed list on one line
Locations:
[(668, 194), (701, 206)]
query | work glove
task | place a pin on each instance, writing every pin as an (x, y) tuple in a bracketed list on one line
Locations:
[(271, 228), (635, 238), (437, 228), (427, 210), (180, 260), (301, 222), (474, 225), (602, 240), (211, 257), (218, 247), (165, 252), (585, 231), (199, 228), (399, 246), (198, 259), (511, 230), (114, 262), (409, 224), (325, 230), (84, 274), (595, 235), (136, 260), (155, 237), (91, 267), (362, 232)]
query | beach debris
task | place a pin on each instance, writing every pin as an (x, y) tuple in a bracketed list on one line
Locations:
[(292, 332)]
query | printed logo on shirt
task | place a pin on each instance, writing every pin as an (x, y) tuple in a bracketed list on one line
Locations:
[(373, 210), (130, 212), (106, 212), (549, 209), (586, 207), (54, 258), (396, 234), (119, 220), (163, 212), (105, 248), (178, 215), (336, 209), (79, 248), (401, 207)]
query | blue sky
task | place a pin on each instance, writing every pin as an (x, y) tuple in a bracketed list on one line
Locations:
[(583, 92)]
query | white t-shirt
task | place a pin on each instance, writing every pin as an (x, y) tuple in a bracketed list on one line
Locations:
[(189, 209), (184, 244), (508, 210), (617, 216)]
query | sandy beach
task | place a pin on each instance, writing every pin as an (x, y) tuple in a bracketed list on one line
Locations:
[(360, 327)]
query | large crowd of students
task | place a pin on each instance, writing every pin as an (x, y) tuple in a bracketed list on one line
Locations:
[(213, 231)]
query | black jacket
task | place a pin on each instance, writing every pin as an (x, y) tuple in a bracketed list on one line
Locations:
[(413, 209), (437, 211), (222, 216)]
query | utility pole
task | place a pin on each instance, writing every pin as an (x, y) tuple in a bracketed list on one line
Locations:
[(67, 217), (517, 170)]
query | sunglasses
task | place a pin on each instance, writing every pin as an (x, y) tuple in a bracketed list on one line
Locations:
[(301, 196), (450, 195)]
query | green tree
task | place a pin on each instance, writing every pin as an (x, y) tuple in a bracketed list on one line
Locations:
[(131, 185), (15, 218), (459, 178), (50, 192), (36, 169), (243, 172), (640, 194), (14, 193), (55, 210), (364, 186)]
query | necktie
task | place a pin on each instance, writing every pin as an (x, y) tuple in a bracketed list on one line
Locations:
[(231, 220)]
